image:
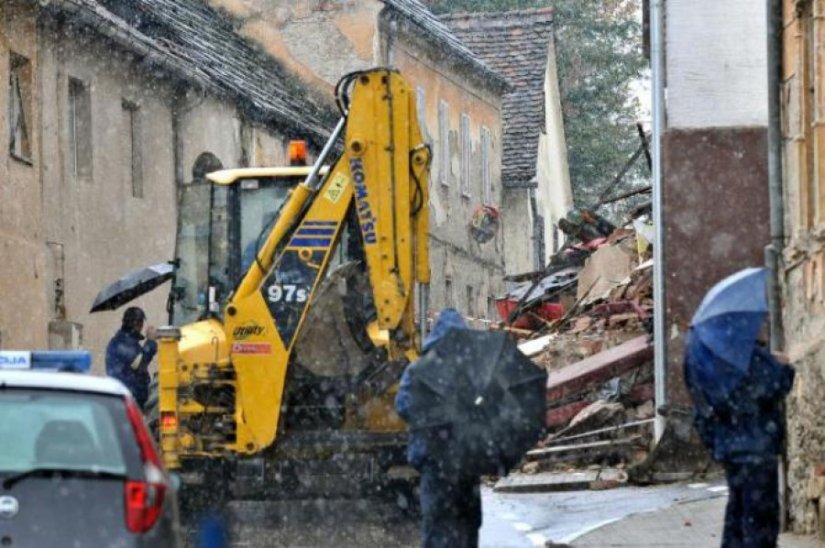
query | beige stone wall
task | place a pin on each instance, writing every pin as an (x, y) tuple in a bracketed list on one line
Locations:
[(23, 307), (318, 40), (804, 281), (94, 228), (208, 124), (451, 209), (59, 230)]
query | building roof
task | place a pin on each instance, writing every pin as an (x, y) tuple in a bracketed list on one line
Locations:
[(419, 15), (514, 43), (200, 45)]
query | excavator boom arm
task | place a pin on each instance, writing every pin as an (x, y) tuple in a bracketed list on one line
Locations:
[(382, 173)]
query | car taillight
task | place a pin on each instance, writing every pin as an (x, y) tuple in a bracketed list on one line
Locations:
[(144, 499), (144, 502)]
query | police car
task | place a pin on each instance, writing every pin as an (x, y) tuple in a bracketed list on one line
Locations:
[(78, 466)]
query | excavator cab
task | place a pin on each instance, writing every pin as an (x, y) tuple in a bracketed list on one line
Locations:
[(223, 220)]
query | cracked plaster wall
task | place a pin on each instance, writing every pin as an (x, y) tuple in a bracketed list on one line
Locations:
[(323, 40), (804, 262), (95, 227), (24, 310)]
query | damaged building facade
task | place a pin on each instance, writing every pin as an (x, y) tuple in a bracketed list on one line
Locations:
[(111, 108), (535, 178), (460, 107), (803, 282)]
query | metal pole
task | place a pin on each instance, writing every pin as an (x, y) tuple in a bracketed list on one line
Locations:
[(313, 180), (657, 61), (773, 253)]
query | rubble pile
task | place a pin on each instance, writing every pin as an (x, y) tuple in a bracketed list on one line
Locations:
[(596, 346)]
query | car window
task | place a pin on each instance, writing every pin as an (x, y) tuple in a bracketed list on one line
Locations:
[(61, 430)]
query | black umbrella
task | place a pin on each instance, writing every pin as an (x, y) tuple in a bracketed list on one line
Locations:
[(483, 400), (133, 285)]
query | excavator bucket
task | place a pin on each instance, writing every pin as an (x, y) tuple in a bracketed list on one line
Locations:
[(334, 341)]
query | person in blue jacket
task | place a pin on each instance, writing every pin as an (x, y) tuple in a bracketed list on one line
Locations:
[(450, 501), (744, 431), (127, 359)]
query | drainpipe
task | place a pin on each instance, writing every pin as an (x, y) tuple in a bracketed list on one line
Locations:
[(773, 252), (178, 108), (657, 62)]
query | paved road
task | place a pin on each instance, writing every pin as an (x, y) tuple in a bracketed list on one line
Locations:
[(512, 520), (525, 520)]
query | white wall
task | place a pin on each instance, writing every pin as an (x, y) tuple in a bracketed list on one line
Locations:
[(554, 194), (716, 63)]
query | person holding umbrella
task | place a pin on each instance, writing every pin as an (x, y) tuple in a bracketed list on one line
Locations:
[(127, 359), (738, 388), (450, 500), (474, 405)]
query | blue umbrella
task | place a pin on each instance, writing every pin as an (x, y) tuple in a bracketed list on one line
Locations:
[(731, 315), (723, 333)]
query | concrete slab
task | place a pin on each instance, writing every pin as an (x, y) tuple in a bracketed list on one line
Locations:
[(549, 482), (536, 346), (606, 269), (598, 368)]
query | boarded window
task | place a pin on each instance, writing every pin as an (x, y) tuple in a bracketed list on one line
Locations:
[(444, 141), (486, 183), (466, 154), (20, 107), (421, 108), (80, 130), (471, 302), (134, 139)]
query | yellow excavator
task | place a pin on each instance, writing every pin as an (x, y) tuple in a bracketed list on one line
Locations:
[(299, 285)]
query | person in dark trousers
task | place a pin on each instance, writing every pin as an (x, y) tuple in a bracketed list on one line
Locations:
[(744, 432), (127, 359), (450, 500)]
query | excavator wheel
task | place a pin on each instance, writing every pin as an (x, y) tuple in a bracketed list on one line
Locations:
[(194, 501)]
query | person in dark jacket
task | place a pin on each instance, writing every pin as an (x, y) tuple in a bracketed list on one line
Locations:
[(127, 359), (744, 431), (450, 500)]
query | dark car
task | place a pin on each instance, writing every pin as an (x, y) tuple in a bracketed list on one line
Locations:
[(78, 466)]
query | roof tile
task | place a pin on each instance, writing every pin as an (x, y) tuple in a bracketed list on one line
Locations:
[(516, 44), (419, 14), (202, 43)]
